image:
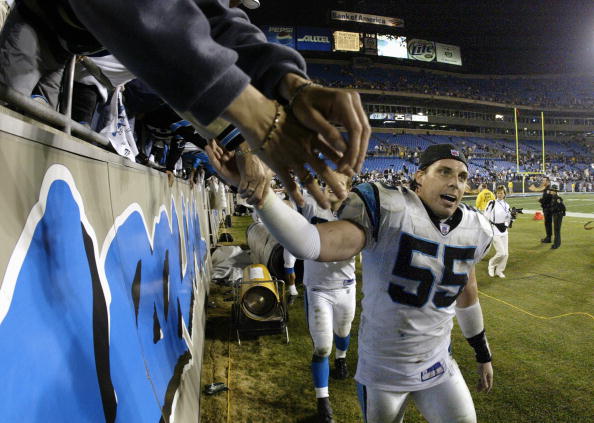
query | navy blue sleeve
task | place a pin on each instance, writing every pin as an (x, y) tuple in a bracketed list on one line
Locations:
[(168, 44), (265, 63)]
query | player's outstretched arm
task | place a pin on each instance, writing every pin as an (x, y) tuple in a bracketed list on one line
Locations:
[(340, 240), (470, 318), (330, 241)]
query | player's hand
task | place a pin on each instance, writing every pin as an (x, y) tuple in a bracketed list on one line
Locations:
[(289, 145), (485, 381), (318, 108), (223, 162), (255, 178), (293, 147)]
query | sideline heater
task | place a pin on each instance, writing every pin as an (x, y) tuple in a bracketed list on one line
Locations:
[(259, 303)]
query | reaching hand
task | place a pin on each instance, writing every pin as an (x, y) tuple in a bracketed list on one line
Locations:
[(485, 372), (287, 145), (242, 170), (318, 108), (290, 148), (255, 178), (223, 162)]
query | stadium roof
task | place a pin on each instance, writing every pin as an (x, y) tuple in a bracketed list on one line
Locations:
[(505, 37)]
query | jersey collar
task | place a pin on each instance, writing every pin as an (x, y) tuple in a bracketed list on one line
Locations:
[(453, 221)]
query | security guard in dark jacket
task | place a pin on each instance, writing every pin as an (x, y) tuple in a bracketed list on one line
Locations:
[(545, 203), (557, 211)]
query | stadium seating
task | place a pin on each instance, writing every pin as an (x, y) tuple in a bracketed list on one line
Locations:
[(567, 92), (487, 157)]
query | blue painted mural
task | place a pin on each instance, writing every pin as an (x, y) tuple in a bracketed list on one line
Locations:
[(92, 334)]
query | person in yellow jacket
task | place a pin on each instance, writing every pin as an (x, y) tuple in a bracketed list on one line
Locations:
[(483, 197)]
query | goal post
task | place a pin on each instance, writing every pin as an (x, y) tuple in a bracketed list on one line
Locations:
[(543, 164)]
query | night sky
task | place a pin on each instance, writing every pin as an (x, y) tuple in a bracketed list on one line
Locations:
[(505, 37)]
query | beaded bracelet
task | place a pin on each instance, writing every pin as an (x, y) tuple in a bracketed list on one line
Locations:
[(273, 127), (297, 91)]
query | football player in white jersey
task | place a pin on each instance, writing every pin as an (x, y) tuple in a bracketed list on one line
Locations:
[(330, 301), (420, 247)]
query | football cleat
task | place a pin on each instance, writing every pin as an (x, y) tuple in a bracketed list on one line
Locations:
[(341, 371), (325, 411)]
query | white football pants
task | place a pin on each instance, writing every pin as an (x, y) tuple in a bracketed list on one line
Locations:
[(448, 402), (329, 312), (499, 260)]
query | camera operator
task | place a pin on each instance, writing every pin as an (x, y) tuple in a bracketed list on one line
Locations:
[(499, 214), (557, 211), (545, 203)]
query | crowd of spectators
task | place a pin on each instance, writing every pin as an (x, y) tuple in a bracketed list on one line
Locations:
[(490, 161), (566, 92)]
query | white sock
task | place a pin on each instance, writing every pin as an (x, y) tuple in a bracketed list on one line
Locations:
[(340, 353), (322, 392), (293, 290)]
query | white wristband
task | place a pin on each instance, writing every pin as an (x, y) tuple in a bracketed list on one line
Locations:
[(470, 320), (290, 228)]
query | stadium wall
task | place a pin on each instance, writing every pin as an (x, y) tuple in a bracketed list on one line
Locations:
[(104, 271)]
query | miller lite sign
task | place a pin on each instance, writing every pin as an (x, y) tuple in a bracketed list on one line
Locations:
[(421, 50)]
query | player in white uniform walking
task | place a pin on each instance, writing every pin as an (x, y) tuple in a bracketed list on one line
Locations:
[(330, 301), (419, 251)]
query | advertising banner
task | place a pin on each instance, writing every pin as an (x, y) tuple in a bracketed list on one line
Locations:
[(391, 46), (284, 35), (422, 50), (369, 43), (346, 41), (447, 53), (309, 38), (367, 19)]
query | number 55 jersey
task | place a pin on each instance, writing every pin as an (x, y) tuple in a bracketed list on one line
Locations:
[(414, 268)]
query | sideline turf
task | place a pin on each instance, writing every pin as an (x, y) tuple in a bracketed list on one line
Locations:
[(543, 363)]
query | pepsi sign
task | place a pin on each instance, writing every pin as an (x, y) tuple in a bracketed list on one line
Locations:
[(284, 35)]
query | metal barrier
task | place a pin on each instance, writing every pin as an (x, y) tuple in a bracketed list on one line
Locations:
[(47, 115)]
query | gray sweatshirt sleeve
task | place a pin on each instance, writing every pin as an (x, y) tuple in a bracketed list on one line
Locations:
[(168, 44), (266, 63)]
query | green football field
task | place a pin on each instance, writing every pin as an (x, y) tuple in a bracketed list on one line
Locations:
[(539, 320)]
